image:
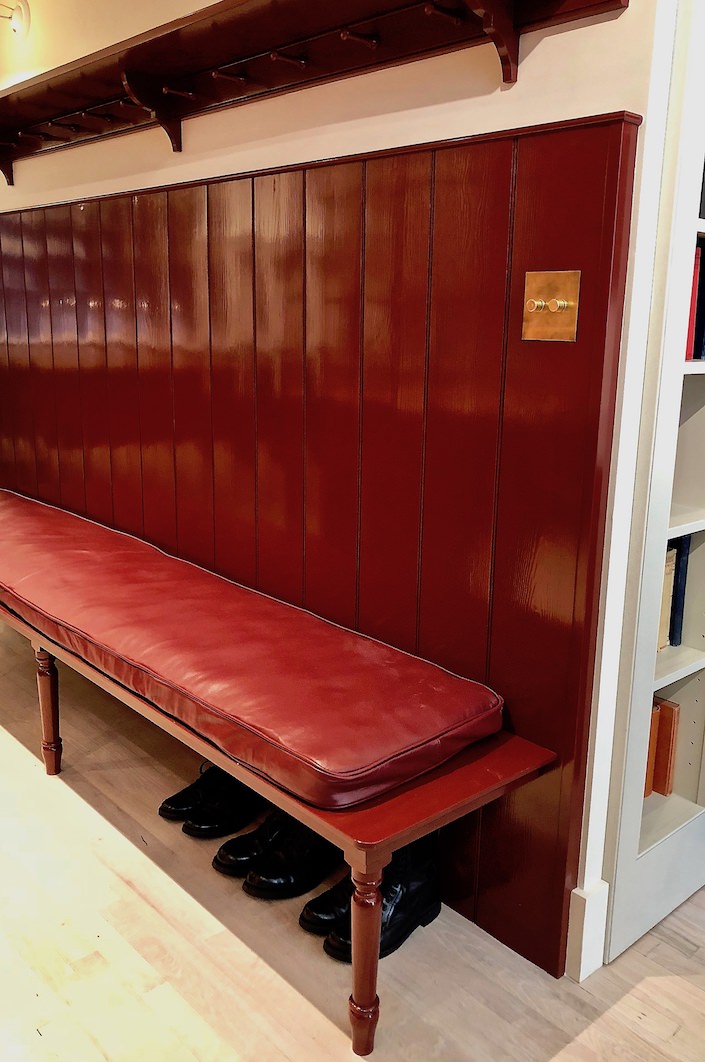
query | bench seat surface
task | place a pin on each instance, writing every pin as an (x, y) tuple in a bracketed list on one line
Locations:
[(330, 715)]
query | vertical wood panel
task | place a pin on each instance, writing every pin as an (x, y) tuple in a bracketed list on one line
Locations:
[(7, 403), (95, 384), (333, 260), (18, 353), (398, 192), (470, 260), (39, 337), (64, 329), (231, 267), (279, 328), (155, 371), (193, 433), (553, 465), (121, 356)]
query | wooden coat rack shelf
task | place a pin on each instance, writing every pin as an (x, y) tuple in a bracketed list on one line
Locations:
[(240, 50)]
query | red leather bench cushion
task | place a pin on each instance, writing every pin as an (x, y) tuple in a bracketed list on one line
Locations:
[(329, 715)]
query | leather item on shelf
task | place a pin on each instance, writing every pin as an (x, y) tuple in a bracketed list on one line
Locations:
[(237, 856), (330, 715), (228, 814), (322, 913), (208, 785), (295, 863), (411, 897)]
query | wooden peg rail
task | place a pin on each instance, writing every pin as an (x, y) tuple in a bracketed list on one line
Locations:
[(240, 50)]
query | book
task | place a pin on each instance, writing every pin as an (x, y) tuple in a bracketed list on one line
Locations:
[(665, 753), (651, 757), (669, 574), (675, 630), (690, 343)]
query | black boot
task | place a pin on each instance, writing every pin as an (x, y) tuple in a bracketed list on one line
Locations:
[(182, 804), (297, 861), (411, 897), (237, 856), (322, 913), (234, 808)]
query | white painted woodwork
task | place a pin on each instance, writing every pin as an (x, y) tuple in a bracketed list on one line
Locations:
[(655, 857)]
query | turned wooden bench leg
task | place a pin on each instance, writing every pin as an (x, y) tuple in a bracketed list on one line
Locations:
[(48, 686), (366, 916)]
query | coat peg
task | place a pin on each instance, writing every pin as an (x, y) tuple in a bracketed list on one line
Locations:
[(110, 118), (41, 136), (456, 16), (166, 91), (368, 40), (293, 60), (70, 126), (135, 106), (221, 75)]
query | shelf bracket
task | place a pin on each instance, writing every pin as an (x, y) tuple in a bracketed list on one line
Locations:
[(497, 21), (146, 92), (6, 168)]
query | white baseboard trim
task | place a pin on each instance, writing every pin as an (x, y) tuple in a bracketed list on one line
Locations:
[(587, 925)]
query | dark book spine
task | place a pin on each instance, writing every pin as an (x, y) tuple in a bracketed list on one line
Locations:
[(675, 633), (690, 344)]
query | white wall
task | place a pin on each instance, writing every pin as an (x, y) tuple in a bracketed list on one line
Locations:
[(64, 30)]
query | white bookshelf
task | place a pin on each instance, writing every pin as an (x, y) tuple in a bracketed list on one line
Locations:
[(657, 856)]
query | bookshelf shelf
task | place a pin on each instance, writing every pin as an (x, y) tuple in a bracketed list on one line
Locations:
[(686, 520), (694, 368), (677, 662), (663, 815)]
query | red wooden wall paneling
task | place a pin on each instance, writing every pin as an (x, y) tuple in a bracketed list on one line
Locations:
[(7, 403), (472, 202), (94, 382), (333, 287), (62, 290), (313, 382), (190, 336), (21, 398), (118, 245), (279, 259), (231, 265), (156, 399), (397, 244), (41, 358), (541, 640)]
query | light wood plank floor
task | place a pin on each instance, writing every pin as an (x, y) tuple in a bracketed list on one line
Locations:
[(118, 941)]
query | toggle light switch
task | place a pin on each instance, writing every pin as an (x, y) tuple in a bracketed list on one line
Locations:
[(551, 306)]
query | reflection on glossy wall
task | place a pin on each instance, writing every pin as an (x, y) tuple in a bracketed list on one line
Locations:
[(313, 381)]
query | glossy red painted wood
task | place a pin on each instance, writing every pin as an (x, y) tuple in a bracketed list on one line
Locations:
[(121, 356), (41, 358), (396, 279), (21, 400), (193, 433), (547, 544), (231, 267), (62, 290), (425, 420), (154, 368), (472, 203), (333, 287), (94, 382), (279, 261), (7, 401)]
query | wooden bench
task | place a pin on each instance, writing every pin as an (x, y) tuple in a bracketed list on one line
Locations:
[(67, 585)]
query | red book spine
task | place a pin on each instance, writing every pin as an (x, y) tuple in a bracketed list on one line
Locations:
[(690, 345)]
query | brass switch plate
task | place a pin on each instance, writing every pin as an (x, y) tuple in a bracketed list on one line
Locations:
[(551, 306)]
